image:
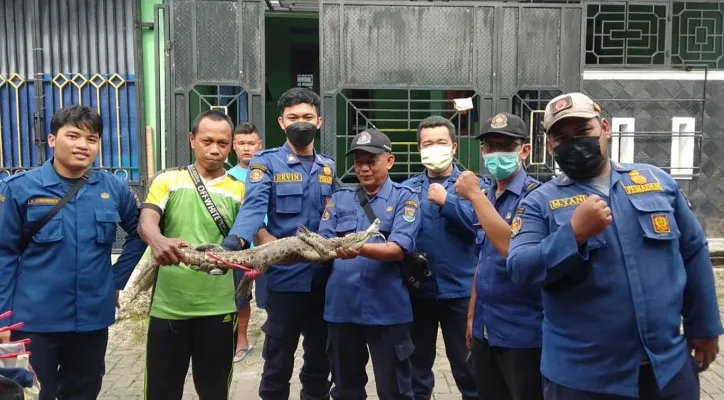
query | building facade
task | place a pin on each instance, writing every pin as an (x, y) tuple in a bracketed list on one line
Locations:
[(149, 66)]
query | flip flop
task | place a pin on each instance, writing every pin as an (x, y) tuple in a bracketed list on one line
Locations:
[(244, 353)]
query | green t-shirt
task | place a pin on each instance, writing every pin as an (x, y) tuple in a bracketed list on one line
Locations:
[(181, 292)]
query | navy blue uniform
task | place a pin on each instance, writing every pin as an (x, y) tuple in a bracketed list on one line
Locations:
[(62, 286), (367, 303), (507, 317), (291, 190), (447, 237), (614, 305)]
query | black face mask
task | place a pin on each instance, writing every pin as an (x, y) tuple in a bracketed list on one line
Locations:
[(300, 134), (580, 158)]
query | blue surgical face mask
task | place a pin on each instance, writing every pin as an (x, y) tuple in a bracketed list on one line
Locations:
[(501, 165)]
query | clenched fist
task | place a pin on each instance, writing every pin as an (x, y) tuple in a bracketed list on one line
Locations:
[(468, 185), (437, 194), (590, 218)]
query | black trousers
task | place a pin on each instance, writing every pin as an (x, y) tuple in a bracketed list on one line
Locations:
[(390, 348), (507, 374), (451, 316), (208, 341), (683, 386), (68, 365), (289, 315)]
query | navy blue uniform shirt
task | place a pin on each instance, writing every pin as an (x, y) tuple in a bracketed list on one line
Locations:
[(289, 194), (620, 296), (509, 313), (64, 281), (364, 291), (447, 237)]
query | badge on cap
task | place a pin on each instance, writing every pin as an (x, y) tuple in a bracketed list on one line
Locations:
[(499, 121), (364, 138), (562, 104)]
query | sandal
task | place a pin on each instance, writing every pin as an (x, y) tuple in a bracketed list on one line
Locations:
[(242, 353)]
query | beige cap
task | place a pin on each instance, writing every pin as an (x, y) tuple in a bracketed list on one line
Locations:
[(569, 105)]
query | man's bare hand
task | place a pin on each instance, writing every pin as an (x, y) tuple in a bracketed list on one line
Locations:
[(5, 337), (437, 194), (590, 218), (468, 185), (705, 351), (346, 254), (166, 251)]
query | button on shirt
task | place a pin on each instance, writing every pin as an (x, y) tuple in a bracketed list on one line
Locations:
[(64, 281), (361, 290), (511, 315), (280, 186), (621, 295)]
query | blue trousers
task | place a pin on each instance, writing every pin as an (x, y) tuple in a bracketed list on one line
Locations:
[(390, 348), (684, 386), (289, 315), (451, 316), (68, 365)]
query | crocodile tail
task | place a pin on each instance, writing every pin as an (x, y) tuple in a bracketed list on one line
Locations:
[(243, 291)]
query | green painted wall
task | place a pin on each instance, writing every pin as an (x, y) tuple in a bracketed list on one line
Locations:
[(150, 80)]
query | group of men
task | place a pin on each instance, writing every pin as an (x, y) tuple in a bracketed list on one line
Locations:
[(571, 289)]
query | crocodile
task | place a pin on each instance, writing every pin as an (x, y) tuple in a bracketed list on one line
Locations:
[(305, 245)]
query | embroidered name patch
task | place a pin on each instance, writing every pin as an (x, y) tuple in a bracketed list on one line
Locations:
[(288, 177), (41, 201), (327, 180), (661, 223), (640, 181), (2, 198), (567, 202)]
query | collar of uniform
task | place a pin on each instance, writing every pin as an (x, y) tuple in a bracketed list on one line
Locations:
[(293, 159), (620, 168), (50, 175), (516, 184), (385, 190)]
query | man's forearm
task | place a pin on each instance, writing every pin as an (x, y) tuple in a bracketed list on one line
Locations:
[(382, 251), (149, 230), (495, 227), (473, 296)]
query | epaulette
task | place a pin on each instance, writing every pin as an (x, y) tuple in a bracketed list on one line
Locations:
[(15, 176), (532, 186), (267, 151), (325, 156), (413, 189)]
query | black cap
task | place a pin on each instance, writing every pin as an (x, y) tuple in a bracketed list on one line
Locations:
[(505, 124), (372, 141)]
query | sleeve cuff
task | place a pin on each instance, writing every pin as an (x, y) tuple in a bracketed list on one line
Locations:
[(561, 247), (402, 241)]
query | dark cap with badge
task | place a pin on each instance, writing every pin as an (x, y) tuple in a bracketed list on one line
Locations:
[(372, 141), (505, 124)]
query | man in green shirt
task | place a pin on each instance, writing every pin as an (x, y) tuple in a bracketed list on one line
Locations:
[(193, 314)]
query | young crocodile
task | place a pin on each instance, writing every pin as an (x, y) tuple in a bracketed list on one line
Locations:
[(306, 245)]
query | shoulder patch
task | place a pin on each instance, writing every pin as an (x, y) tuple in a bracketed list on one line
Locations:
[(411, 203), (515, 226), (520, 210), (326, 214), (256, 175), (408, 213)]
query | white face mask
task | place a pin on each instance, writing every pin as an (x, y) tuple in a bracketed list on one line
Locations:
[(436, 158)]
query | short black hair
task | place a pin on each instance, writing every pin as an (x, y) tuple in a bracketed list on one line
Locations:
[(213, 115), (246, 128), (79, 116), (433, 122), (299, 95)]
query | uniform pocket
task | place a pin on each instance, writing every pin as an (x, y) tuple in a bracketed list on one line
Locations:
[(403, 351), (52, 231), (593, 243), (345, 224), (289, 198), (656, 217), (106, 223)]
